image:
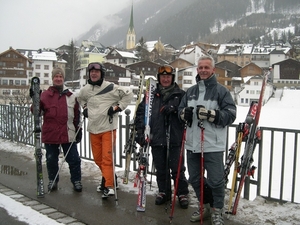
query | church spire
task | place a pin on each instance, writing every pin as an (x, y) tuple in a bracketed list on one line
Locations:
[(130, 37)]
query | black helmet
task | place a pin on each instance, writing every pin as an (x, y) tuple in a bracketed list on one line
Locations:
[(166, 69)]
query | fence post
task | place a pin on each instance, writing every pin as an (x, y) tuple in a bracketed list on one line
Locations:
[(11, 119)]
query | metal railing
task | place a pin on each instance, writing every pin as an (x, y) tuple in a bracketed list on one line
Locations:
[(276, 155)]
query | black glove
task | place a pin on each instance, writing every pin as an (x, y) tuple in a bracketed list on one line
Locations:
[(85, 113), (171, 107), (112, 110), (140, 137), (204, 114), (78, 135), (168, 109), (187, 115)]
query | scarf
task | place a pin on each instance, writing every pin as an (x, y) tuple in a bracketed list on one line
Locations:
[(166, 91)]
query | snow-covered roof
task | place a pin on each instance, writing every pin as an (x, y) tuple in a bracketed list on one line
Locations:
[(46, 56), (126, 54), (150, 45), (233, 49), (236, 78)]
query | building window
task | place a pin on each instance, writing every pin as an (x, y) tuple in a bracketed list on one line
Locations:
[(247, 91), (11, 82), (37, 74), (20, 65), (46, 67), (246, 100), (17, 82), (187, 81), (6, 92), (46, 74), (252, 92), (38, 66), (242, 100), (30, 74), (5, 82), (23, 82), (2, 64), (187, 73), (15, 92)]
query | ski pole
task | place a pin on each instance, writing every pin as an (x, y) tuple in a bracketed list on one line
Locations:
[(65, 156), (168, 191), (178, 172), (113, 159), (200, 124)]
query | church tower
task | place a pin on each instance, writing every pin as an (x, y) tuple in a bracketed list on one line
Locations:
[(130, 37)]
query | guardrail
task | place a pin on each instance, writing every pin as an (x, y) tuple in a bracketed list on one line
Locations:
[(276, 156)]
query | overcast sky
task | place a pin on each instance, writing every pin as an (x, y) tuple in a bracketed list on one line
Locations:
[(34, 24)]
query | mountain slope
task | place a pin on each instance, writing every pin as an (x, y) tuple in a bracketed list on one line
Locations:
[(179, 22)]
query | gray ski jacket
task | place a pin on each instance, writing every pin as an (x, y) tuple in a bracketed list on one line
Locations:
[(212, 95)]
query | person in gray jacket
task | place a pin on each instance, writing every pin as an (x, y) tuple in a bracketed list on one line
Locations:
[(211, 103), (102, 100)]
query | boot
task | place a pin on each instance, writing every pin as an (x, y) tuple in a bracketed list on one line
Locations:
[(196, 216), (77, 186), (183, 201), (216, 216)]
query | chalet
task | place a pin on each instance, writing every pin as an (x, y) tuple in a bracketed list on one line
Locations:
[(14, 71), (228, 74), (91, 51), (286, 74), (191, 53), (239, 54), (43, 63), (250, 91), (120, 58)]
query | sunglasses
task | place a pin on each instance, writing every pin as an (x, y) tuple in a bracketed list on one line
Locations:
[(95, 66), (165, 70)]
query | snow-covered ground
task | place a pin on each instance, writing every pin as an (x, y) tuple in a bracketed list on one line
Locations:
[(278, 113)]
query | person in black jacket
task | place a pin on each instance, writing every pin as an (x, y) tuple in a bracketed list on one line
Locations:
[(166, 136)]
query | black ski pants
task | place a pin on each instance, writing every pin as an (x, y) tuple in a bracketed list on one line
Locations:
[(164, 166), (73, 159)]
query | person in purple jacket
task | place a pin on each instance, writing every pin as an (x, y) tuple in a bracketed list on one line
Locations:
[(61, 117)]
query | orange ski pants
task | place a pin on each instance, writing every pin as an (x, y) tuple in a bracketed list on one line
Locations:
[(102, 152)]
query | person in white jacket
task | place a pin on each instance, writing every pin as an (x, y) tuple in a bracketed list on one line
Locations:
[(101, 101)]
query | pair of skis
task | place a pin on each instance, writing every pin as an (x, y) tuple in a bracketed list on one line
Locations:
[(35, 90), (130, 145), (250, 133), (141, 176)]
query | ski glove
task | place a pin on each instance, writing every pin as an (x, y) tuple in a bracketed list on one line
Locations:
[(140, 137), (113, 109), (168, 109), (78, 135), (85, 113), (171, 107), (204, 114), (187, 115)]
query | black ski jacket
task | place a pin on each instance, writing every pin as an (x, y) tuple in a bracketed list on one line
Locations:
[(159, 121)]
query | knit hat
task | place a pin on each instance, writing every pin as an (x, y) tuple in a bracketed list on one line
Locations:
[(58, 71)]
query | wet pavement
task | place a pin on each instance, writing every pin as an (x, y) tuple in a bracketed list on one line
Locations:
[(18, 176)]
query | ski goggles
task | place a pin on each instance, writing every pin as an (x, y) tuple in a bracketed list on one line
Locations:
[(95, 66), (165, 69)]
